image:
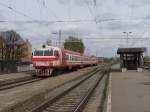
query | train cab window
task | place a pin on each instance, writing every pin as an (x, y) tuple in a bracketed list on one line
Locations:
[(48, 53), (56, 53), (38, 53)]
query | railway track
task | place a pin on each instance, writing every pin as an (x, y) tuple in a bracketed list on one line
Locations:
[(14, 72), (11, 84), (18, 83), (75, 98), (146, 67)]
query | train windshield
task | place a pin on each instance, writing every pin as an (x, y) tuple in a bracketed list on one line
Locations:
[(38, 53), (48, 53), (45, 53)]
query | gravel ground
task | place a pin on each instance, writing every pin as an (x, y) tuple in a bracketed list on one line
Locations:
[(65, 103), (19, 97), (6, 78), (94, 102)]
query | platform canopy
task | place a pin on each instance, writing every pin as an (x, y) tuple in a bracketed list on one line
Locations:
[(131, 50), (131, 58)]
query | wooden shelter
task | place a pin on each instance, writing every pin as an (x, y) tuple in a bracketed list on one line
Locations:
[(131, 58)]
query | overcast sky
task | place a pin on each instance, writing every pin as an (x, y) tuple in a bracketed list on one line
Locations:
[(83, 18)]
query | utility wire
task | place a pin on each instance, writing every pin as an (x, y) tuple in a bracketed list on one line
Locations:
[(95, 2), (49, 9), (57, 21), (18, 12), (116, 38), (43, 21), (90, 10), (40, 12), (60, 21)]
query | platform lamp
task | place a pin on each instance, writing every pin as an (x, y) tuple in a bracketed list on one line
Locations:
[(127, 37)]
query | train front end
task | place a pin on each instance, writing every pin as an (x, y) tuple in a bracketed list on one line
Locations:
[(45, 60)]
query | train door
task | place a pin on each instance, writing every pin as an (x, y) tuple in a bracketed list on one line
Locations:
[(64, 59)]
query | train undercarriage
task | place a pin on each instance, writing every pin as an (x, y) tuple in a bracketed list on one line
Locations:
[(44, 71)]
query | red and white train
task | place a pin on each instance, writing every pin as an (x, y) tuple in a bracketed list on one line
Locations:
[(48, 59)]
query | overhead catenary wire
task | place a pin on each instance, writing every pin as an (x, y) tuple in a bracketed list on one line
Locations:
[(47, 9), (14, 10), (90, 11), (148, 38), (57, 21), (95, 2)]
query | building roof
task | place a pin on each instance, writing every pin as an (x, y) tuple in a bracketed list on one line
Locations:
[(131, 50), (11, 37)]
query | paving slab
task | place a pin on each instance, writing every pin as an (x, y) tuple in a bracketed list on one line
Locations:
[(130, 91)]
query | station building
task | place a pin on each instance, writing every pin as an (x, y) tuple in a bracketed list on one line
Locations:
[(14, 51), (131, 58), (2, 45), (26, 51)]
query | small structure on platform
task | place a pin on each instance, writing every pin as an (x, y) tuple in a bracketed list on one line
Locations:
[(131, 58)]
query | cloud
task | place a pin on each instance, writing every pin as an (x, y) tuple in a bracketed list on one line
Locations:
[(133, 3), (63, 2), (77, 2), (117, 27), (1, 15), (113, 17)]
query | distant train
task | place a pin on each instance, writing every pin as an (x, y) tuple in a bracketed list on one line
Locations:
[(48, 59)]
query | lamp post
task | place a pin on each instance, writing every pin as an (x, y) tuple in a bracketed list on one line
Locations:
[(127, 37)]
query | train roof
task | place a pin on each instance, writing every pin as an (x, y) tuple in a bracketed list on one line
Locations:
[(71, 52), (48, 47), (64, 50), (92, 56), (77, 53)]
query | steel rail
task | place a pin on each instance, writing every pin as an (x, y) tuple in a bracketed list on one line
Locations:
[(18, 83), (89, 93), (45, 104), (27, 80)]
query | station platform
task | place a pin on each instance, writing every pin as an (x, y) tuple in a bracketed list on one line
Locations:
[(130, 91)]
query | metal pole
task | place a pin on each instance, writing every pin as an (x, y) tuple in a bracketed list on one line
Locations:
[(142, 43), (127, 39), (60, 38)]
